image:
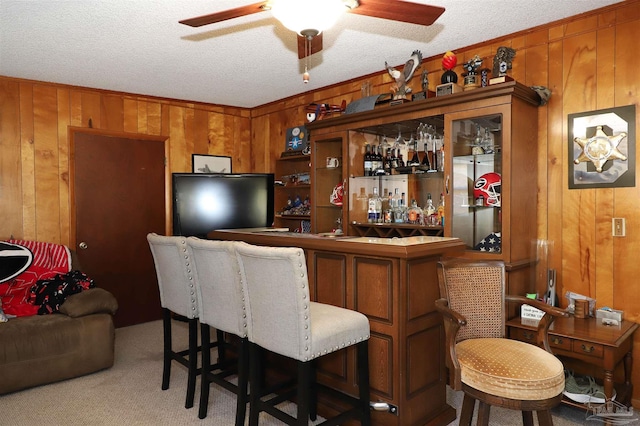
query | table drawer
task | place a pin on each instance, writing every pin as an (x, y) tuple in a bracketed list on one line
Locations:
[(588, 348), (560, 342), (523, 335)]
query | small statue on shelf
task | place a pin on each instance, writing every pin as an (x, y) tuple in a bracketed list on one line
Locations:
[(449, 61), (399, 88)]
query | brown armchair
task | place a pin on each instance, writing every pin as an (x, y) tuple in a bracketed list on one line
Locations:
[(484, 364)]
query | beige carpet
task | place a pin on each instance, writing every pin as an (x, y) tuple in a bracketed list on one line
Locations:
[(130, 394)]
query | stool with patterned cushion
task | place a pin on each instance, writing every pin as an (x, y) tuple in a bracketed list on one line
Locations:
[(482, 363)]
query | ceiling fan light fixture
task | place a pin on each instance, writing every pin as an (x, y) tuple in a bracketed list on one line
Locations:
[(308, 16)]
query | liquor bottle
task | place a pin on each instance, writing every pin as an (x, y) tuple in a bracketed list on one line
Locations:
[(414, 213), (388, 160), (367, 161), (379, 162), (399, 214), (425, 160), (400, 160), (394, 159), (415, 159), (441, 210), (430, 212), (388, 210), (374, 212)]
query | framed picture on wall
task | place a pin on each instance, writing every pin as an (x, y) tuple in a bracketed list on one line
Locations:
[(210, 164), (602, 148)]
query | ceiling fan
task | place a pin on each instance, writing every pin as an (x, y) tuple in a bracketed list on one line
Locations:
[(309, 18)]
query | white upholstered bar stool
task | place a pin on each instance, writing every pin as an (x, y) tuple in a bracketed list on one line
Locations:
[(222, 306), (285, 321), (178, 296)]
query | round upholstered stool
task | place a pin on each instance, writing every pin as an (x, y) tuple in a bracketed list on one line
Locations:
[(510, 369), (510, 374)]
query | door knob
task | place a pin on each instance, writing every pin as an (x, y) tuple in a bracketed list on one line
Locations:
[(83, 245)]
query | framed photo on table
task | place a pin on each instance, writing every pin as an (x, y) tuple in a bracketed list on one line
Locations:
[(210, 164)]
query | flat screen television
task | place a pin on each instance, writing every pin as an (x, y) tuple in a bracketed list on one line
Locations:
[(203, 202)]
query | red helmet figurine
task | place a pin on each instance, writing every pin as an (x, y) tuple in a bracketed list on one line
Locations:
[(487, 188)]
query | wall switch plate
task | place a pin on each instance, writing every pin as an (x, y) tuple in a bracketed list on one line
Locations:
[(618, 227)]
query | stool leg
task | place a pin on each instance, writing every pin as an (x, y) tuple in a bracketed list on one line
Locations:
[(313, 391), (222, 352), (362, 355), (544, 418), (166, 365), (483, 413), (255, 370), (206, 363), (527, 418), (193, 362), (304, 382), (466, 414), (243, 381)]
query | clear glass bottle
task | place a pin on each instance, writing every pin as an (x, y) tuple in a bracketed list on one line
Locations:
[(430, 212), (374, 211), (414, 214), (388, 209)]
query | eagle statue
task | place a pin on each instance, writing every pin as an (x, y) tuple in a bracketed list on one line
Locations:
[(399, 88)]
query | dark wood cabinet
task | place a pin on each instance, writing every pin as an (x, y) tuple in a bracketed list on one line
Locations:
[(489, 130)]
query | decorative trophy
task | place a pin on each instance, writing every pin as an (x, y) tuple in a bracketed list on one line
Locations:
[(399, 87), (449, 78), (502, 63), (471, 77), (424, 83)]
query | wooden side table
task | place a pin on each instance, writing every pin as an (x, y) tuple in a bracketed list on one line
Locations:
[(590, 341)]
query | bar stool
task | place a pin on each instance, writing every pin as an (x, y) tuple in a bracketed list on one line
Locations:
[(285, 321), (178, 297), (222, 306)]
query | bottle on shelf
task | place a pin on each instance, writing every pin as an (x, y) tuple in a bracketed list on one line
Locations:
[(400, 160), (388, 209), (388, 162), (414, 214), (415, 159), (400, 210), (430, 212), (441, 210), (368, 167), (425, 160), (379, 160), (374, 211)]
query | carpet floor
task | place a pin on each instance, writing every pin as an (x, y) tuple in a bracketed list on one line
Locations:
[(129, 393)]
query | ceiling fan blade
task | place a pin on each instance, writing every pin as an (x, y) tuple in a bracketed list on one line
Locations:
[(316, 45), (226, 14), (397, 10)]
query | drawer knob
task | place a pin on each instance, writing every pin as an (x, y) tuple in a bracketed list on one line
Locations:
[(587, 349), (528, 335), (556, 340)]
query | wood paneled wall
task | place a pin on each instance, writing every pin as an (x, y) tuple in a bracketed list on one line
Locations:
[(34, 145), (588, 61)]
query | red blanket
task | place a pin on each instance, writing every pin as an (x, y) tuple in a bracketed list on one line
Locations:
[(48, 260)]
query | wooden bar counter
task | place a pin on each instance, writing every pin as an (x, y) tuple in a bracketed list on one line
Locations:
[(394, 282)]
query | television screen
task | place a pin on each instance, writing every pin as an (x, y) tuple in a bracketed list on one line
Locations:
[(204, 202)]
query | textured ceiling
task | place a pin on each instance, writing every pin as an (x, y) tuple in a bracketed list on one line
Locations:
[(138, 46)]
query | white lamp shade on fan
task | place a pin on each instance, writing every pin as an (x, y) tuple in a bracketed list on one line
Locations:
[(308, 16)]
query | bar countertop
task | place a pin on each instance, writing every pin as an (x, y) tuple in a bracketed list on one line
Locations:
[(407, 247)]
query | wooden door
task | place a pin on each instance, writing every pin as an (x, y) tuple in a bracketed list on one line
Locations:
[(118, 189)]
